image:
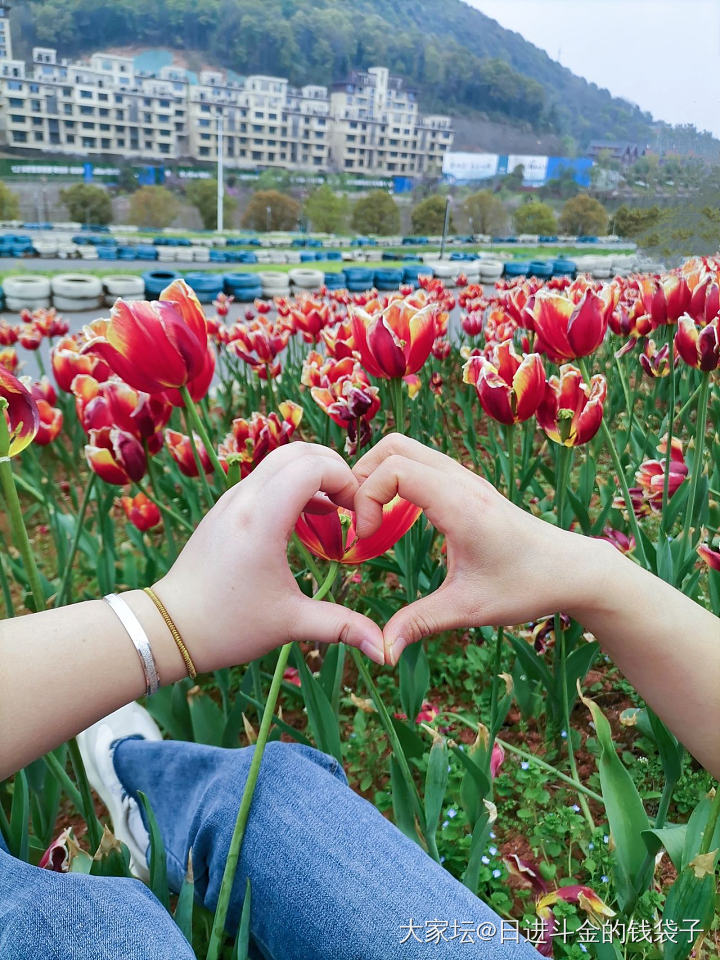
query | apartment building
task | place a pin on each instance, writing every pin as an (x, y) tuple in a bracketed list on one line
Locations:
[(377, 127), (105, 106)]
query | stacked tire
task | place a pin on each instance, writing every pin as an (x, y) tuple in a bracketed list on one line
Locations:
[(126, 287), (244, 287), (307, 278), (26, 292), (335, 280), (155, 281), (358, 279), (77, 292), (388, 279), (207, 286), (274, 283)]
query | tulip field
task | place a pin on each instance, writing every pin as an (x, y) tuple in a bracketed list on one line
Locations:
[(518, 757)]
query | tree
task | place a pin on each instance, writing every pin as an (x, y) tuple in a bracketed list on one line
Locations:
[(534, 216), (271, 210), (514, 179), (376, 213), (326, 210), (486, 213), (87, 203), (630, 221), (202, 194), (153, 207), (429, 216), (583, 215), (9, 203)]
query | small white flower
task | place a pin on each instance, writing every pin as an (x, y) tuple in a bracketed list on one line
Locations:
[(452, 813), (524, 765), (497, 873), (605, 879), (492, 851), (606, 839), (445, 823), (575, 807), (485, 860)]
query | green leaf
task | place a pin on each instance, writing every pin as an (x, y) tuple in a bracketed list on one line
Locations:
[(321, 716), (625, 812), (414, 679), (689, 904), (671, 837), (436, 779), (402, 802), (208, 721), (242, 941), (19, 816), (186, 899), (158, 862)]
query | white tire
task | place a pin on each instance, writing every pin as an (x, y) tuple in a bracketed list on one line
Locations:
[(307, 279), (446, 269), (76, 286), (273, 279), (89, 253), (16, 304), (165, 254), (28, 287), (123, 285), (111, 298), (490, 270), (78, 304), (293, 256)]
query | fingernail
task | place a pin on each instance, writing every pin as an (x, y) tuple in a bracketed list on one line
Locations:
[(395, 649), (372, 651)]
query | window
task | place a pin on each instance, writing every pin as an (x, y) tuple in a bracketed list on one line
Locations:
[(119, 114), (88, 125), (121, 144), (14, 85), (39, 135), (88, 142), (105, 143), (16, 102), (70, 138), (35, 105), (17, 118), (118, 98), (86, 94), (69, 124), (204, 151), (104, 97), (87, 111), (105, 126), (104, 112), (37, 121)]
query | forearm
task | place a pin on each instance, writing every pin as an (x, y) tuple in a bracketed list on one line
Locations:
[(64, 669), (665, 644)]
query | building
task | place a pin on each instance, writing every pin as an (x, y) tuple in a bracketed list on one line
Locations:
[(105, 106)]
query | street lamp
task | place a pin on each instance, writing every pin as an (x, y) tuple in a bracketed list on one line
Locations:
[(445, 226), (220, 187), (268, 215)]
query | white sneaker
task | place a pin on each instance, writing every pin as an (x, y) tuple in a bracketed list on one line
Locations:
[(95, 744)]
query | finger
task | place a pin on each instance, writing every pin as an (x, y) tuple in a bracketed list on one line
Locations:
[(420, 484), (289, 489), (440, 611), (324, 622), (400, 445)]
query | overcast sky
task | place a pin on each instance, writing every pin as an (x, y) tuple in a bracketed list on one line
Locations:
[(663, 55)]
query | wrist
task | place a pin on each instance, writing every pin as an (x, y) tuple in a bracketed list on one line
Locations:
[(168, 659), (590, 566)]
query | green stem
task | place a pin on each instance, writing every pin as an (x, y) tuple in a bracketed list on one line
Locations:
[(671, 423), (157, 500), (202, 433), (7, 595), (560, 638), (178, 518), (65, 582), (712, 821), (233, 857), (198, 462), (398, 403), (17, 524), (93, 824), (510, 441), (689, 402), (562, 471), (664, 804), (615, 457), (60, 774), (698, 458), (499, 637)]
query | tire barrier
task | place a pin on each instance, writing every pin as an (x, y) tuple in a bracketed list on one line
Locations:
[(205, 285), (388, 279), (156, 280), (358, 279), (307, 279)]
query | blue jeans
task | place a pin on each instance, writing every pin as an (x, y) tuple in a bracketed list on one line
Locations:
[(330, 876)]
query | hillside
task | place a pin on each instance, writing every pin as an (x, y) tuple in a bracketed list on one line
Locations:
[(458, 59)]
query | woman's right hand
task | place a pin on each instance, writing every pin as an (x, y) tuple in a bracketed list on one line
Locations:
[(505, 566)]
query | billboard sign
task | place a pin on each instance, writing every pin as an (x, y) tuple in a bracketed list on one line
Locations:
[(534, 167), (466, 167)]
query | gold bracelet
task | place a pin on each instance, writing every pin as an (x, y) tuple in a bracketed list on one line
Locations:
[(192, 672)]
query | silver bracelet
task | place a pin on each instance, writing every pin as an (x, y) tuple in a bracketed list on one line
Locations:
[(139, 638)]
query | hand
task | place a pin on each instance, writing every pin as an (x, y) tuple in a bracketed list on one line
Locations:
[(505, 566), (231, 593)]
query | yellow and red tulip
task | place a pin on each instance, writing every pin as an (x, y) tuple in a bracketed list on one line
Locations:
[(655, 363), (8, 334), (665, 299), (338, 340), (181, 451), (259, 344), (115, 455), (510, 387), (9, 359), (50, 425), (699, 346), (115, 404), (332, 535), (140, 511), (396, 341), (68, 362), (157, 346), (586, 898), (567, 330), (252, 440), (309, 317), (20, 412), (571, 411)]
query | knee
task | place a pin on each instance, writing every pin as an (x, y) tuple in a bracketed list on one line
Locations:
[(300, 761)]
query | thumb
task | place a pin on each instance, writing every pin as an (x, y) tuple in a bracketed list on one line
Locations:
[(323, 622), (423, 618)]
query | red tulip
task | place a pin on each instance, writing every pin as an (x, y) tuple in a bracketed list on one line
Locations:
[(510, 387), (156, 346), (394, 342), (309, 317), (20, 412), (623, 542), (711, 557), (699, 347), (339, 340), (198, 386), (473, 322), (67, 362), (250, 441), (51, 421), (571, 412), (332, 535), (181, 451), (115, 455), (655, 363), (566, 330), (664, 300), (705, 299), (30, 336), (259, 344), (497, 757), (42, 389), (61, 853), (8, 334), (140, 511), (647, 496)]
